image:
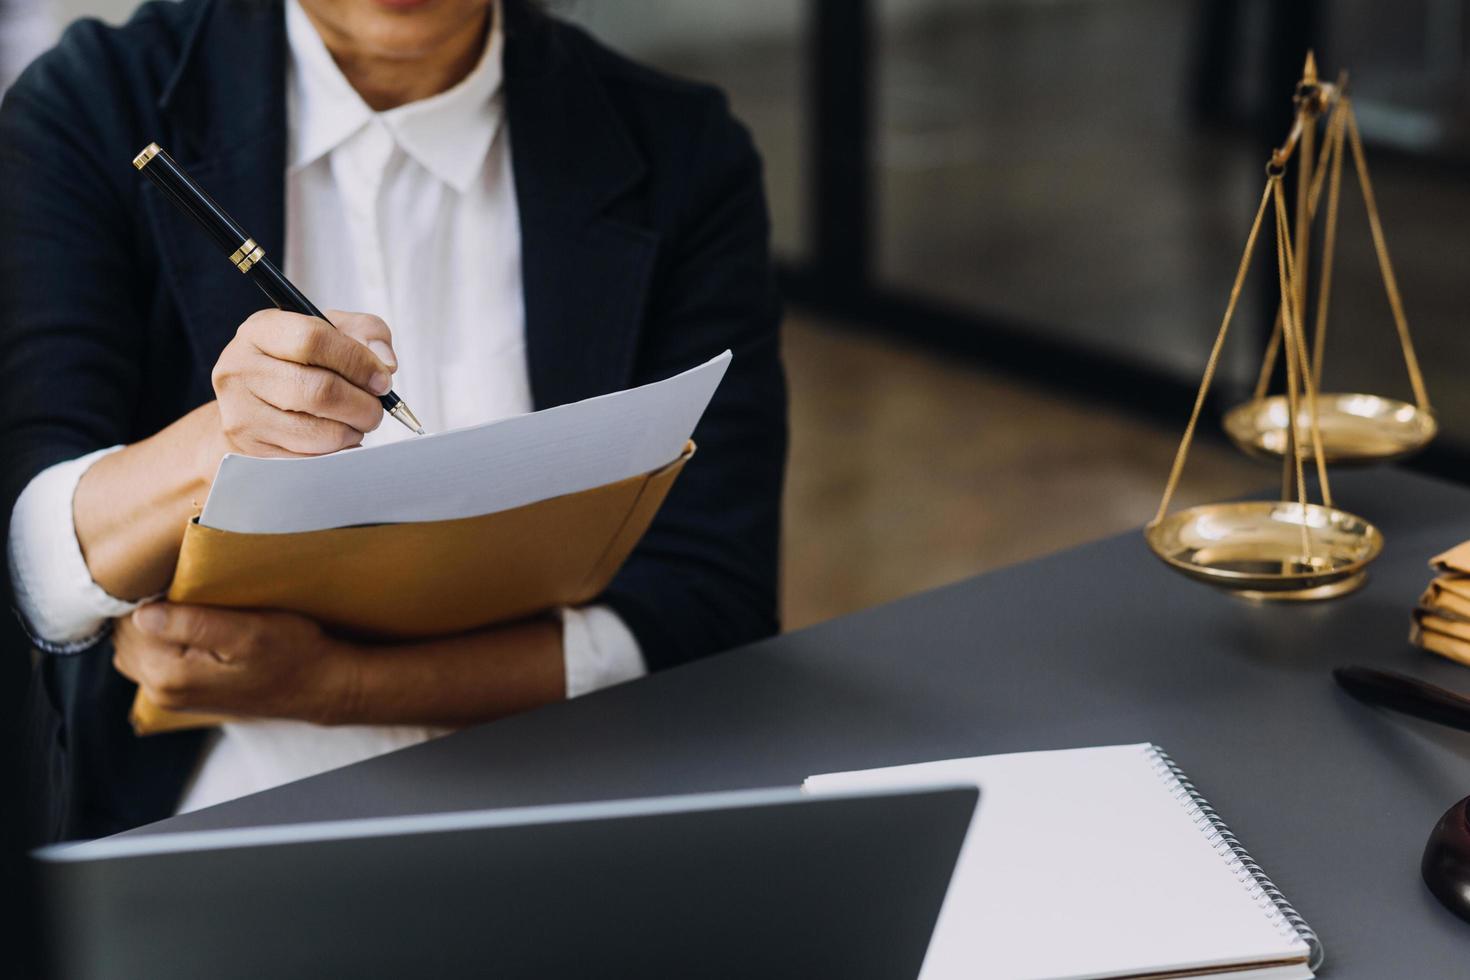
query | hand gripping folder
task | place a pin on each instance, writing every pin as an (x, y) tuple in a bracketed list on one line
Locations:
[(410, 579)]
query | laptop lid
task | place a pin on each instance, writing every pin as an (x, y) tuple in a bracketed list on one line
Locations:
[(762, 883)]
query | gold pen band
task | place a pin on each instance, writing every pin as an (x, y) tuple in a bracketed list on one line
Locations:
[(247, 255), (149, 152)]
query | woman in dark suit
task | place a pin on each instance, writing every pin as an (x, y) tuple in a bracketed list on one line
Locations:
[(591, 224)]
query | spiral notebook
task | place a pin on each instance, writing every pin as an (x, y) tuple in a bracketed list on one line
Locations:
[(1096, 863)]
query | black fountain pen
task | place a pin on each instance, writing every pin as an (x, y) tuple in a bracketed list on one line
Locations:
[(243, 251)]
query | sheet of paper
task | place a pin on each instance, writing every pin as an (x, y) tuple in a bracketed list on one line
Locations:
[(466, 472), (1084, 864)]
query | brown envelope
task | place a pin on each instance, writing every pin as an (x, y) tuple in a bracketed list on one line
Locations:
[(433, 578)]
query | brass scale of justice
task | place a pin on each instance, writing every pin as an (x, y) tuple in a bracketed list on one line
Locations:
[(1291, 549)]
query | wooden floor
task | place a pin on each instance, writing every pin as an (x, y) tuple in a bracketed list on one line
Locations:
[(908, 471)]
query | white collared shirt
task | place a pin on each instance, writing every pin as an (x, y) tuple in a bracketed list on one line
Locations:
[(410, 214)]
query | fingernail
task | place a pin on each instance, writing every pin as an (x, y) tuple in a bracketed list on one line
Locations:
[(380, 384), (150, 618), (384, 352)]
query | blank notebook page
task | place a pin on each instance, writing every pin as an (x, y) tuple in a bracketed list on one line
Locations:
[(1091, 863)]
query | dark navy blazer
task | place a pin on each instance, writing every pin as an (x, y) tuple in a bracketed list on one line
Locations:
[(645, 251)]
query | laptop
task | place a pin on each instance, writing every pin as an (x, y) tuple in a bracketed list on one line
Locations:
[(758, 883)]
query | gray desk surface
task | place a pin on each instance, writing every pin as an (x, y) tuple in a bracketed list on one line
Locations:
[(1096, 645)]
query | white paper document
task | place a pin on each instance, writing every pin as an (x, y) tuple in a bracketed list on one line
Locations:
[(1092, 863), (467, 472)]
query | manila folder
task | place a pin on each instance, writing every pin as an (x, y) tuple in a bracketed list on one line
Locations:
[(422, 579)]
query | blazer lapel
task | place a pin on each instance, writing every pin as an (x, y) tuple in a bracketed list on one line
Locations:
[(585, 271), (226, 108)]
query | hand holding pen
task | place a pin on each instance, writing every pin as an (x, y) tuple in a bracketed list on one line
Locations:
[(288, 381), (292, 384)]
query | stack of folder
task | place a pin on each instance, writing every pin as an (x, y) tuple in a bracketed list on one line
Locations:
[(1442, 618)]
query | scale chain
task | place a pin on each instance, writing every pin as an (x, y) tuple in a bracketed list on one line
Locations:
[(1390, 284), (1336, 130), (1329, 157), (1304, 384), (1204, 389), (1293, 458)]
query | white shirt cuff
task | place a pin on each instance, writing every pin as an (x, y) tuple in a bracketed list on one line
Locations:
[(62, 608), (598, 650)]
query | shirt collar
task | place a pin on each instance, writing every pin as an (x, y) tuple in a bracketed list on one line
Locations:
[(448, 134)]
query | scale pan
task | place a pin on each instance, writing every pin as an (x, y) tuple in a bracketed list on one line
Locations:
[(1256, 546), (1355, 428)]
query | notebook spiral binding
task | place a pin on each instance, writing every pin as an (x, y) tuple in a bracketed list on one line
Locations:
[(1272, 902)]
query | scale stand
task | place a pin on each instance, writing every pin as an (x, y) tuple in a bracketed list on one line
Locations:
[(1292, 549)]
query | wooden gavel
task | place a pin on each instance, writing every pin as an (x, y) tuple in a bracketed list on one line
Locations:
[(1446, 862)]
